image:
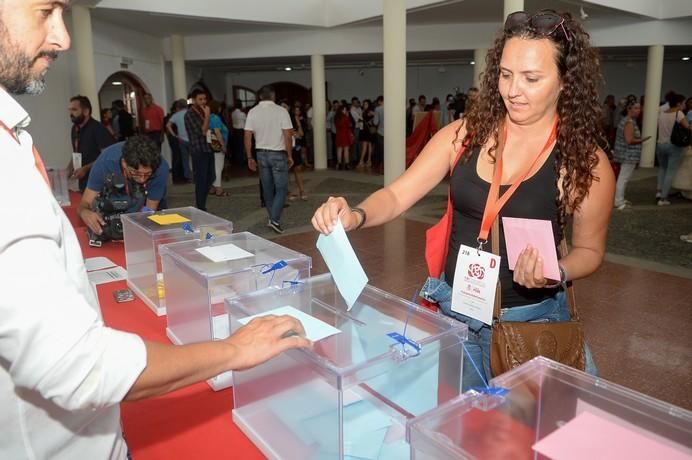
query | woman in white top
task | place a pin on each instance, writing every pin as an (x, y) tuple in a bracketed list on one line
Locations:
[(238, 122), (668, 154)]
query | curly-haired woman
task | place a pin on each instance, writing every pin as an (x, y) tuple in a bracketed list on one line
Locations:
[(539, 112)]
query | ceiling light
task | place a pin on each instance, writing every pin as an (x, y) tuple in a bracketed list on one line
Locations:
[(117, 83), (288, 69), (686, 58), (472, 62)]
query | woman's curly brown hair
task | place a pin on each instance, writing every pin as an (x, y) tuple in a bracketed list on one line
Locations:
[(579, 108)]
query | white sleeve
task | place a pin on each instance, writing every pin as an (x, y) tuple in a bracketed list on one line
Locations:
[(51, 339), (285, 119), (250, 122)]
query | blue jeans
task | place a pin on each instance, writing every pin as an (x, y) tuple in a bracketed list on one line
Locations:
[(203, 163), (553, 309), (185, 159), (273, 172), (669, 157)]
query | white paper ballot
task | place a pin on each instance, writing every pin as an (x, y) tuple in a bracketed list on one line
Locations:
[(224, 252), (108, 275), (221, 328), (343, 264), (98, 263), (315, 329)]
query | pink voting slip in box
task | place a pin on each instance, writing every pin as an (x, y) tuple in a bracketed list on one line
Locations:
[(539, 234), (589, 436)]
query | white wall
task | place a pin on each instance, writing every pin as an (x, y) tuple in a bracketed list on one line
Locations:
[(112, 43), (623, 78), (365, 83), (425, 37)]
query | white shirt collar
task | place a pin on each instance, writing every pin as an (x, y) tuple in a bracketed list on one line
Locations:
[(11, 112), (267, 102)]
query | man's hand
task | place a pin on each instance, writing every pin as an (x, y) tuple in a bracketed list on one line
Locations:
[(265, 337), (206, 111), (93, 220), (252, 164), (290, 160), (80, 173)]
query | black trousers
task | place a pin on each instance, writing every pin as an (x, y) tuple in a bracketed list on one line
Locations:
[(203, 172)]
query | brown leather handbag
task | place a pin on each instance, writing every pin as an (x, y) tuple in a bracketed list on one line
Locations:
[(514, 342)]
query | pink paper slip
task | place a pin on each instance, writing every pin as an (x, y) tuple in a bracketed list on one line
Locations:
[(588, 436), (539, 234)]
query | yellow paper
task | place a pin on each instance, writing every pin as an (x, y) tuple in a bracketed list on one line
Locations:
[(168, 219)]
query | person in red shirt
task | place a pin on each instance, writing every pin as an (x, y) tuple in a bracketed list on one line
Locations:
[(152, 115)]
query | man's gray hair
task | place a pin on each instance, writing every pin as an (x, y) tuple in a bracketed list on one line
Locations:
[(267, 93)]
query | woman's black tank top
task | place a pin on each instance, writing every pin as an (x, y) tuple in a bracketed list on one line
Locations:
[(535, 198)]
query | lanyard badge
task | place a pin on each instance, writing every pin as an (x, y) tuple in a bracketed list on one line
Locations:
[(477, 271)]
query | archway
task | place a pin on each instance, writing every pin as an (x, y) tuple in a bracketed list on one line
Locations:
[(292, 92), (127, 87)]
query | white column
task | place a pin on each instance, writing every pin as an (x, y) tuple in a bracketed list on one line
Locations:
[(479, 65), (394, 31), (652, 95), (319, 111), (511, 6), (84, 49), (179, 78)]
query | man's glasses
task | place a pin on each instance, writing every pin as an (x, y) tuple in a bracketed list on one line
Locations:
[(542, 23), (138, 174)]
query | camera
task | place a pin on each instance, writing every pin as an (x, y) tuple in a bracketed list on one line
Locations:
[(115, 199)]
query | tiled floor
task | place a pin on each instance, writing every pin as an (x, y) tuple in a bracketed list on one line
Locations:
[(638, 322)]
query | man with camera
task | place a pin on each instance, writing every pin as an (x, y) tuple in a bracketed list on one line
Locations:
[(126, 177)]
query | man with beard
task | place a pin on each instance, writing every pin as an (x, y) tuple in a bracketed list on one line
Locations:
[(197, 124), (63, 373), (89, 137)]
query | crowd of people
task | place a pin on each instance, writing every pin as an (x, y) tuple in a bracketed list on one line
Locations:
[(622, 125)]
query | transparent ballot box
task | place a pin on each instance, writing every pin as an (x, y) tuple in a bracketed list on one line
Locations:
[(58, 183), (350, 395), (145, 232), (546, 410), (200, 274)]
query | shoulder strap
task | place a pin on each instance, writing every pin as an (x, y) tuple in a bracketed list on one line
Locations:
[(495, 249)]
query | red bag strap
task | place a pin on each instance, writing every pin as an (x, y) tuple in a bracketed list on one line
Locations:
[(437, 236)]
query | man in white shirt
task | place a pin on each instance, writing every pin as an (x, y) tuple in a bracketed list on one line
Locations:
[(62, 372), (273, 131)]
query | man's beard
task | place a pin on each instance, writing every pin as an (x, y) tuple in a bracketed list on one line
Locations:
[(15, 67), (78, 120)]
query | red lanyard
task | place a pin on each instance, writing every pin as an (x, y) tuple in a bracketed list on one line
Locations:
[(38, 161), (493, 205)]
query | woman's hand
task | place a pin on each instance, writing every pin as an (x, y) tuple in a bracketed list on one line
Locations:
[(528, 271), (334, 208)]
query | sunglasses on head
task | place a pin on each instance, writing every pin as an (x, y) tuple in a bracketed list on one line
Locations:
[(542, 23)]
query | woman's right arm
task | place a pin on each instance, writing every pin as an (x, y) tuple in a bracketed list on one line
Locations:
[(431, 166)]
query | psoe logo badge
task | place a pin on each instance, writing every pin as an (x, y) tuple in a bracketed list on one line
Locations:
[(476, 271)]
